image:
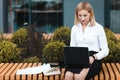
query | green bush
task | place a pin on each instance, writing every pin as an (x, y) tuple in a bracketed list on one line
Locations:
[(34, 59), (29, 39), (110, 35), (20, 37), (62, 34), (34, 44), (53, 52), (9, 52), (114, 47)]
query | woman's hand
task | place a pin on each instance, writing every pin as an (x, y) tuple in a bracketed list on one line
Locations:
[(91, 59)]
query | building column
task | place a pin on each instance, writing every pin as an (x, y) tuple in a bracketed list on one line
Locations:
[(1, 16), (107, 13), (5, 16)]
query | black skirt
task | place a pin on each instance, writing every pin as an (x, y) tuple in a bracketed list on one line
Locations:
[(94, 68)]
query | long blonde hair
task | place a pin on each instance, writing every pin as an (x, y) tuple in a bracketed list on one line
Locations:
[(85, 6)]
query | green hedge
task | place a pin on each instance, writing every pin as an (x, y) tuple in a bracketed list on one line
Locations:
[(29, 39), (20, 37), (53, 52), (32, 59), (62, 34), (9, 52), (114, 47)]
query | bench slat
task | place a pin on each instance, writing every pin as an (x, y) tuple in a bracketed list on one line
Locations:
[(34, 75), (106, 74), (2, 75), (118, 67), (96, 77), (51, 77), (40, 75), (13, 74), (7, 76), (24, 65), (1, 65), (63, 74), (117, 74), (29, 76), (57, 77), (24, 76), (112, 76), (101, 76)]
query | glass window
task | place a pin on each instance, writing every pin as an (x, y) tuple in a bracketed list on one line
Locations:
[(46, 14), (115, 16)]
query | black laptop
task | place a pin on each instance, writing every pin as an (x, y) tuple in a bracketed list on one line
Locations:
[(76, 57)]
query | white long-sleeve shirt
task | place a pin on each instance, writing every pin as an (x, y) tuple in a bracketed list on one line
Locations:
[(93, 37)]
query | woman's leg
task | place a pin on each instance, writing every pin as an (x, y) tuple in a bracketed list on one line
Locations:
[(82, 75), (94, 69), (69, 75)]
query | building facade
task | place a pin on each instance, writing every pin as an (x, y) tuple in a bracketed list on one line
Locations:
[(48, 15)]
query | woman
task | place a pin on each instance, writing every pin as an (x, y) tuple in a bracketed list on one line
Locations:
[(86, 32)]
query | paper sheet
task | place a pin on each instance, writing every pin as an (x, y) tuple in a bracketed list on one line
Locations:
[(45, 68), (34, 70)]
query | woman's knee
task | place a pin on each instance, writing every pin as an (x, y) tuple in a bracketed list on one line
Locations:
[(76, 76), (69, 75)]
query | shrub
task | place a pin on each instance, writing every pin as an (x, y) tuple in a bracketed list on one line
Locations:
[(33, 59), (62, 34), (114, 47), (20, 37), (29, 39), (9, 52), (34, 43), (53, 52), (110, 35)]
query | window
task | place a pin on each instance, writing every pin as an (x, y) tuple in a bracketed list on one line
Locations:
[(115, 16), (46, 14)]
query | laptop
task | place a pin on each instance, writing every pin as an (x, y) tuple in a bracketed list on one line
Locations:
[(76, 57)]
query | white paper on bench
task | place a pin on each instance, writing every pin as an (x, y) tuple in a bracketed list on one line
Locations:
[(51, 71), (45, 68)]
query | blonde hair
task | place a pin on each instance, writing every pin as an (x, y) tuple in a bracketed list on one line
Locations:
[(85, 6)]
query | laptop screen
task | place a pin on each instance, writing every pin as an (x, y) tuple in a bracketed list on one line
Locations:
[(76, 57)]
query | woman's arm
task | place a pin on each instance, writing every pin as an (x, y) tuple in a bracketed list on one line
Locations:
[(102, 40), (72, 38)]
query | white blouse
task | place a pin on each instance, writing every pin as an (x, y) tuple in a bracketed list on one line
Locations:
[(93, 37)]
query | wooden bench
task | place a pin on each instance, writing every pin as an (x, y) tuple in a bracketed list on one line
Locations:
[(110, 71), (9, 36), (45, 36), (117, 36)]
